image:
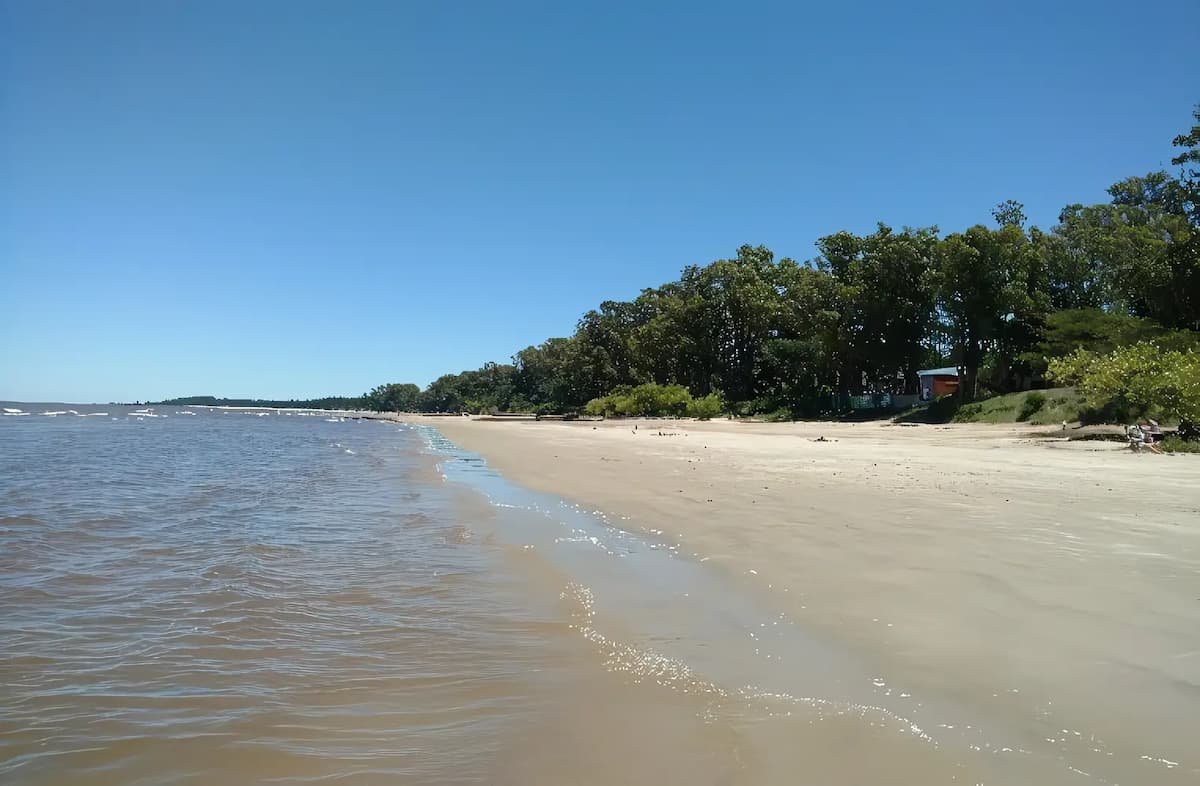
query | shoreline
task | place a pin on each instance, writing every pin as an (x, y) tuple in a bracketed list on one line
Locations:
[(1047, 582)]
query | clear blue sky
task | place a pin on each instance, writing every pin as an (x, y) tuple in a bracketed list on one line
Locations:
[(280, 198)]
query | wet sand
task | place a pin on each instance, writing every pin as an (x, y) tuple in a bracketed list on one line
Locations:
[(1048, 589)]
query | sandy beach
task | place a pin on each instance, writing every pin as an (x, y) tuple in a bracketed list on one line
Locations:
[(1051, 586)]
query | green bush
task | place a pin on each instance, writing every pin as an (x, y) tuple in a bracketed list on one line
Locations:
[(608, 406), (1176, 444), (1113, 411), (966, 413), (605, 406), (1031, 405), (1136, 379), (650, 400), (653, 400), (706, 407)]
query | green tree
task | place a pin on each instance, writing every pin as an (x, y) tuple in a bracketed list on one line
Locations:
[(1009, 213), (800, 363), (1073, 277), (988, 296), (442, 395), (1101, 332), (887, 305), (677, 340), (1140, 248), (603, 339), (740, 305), (1140, 378), (555, 375), (488, 388), (1189, 162), (393, 397)]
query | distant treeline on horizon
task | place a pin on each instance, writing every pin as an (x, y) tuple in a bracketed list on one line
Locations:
[(329, 402)]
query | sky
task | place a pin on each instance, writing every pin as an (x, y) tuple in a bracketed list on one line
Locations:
[(287, 198)]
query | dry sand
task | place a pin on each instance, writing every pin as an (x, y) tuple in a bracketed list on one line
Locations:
[(1053, 585)]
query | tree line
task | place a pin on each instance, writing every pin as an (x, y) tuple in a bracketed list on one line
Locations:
[(1000, 301)]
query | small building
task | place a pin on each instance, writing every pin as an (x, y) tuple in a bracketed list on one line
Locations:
[(938, 382)]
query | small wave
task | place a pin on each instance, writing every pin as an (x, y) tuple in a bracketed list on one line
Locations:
[(52, 413), (11, 411)]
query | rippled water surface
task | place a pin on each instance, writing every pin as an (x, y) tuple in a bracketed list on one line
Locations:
[(266, 597)]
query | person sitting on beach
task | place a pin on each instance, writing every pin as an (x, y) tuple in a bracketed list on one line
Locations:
[(1137, 439)]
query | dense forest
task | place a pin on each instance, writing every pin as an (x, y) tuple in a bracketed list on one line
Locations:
[(765, 335)]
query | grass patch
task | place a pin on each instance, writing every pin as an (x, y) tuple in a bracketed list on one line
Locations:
[(940, 410), (1036, 407), (1031, 405)]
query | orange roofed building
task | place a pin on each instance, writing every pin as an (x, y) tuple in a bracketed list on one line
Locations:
[(937, 382)]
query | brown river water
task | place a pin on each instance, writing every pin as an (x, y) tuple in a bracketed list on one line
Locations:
[(278, 598)]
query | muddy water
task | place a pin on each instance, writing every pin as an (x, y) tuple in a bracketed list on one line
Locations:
[(256, 598)]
